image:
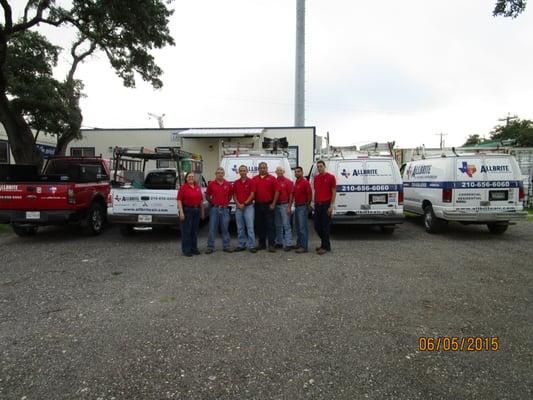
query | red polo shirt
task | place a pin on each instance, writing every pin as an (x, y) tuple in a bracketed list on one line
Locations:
[(284, 187), (220, 193), (302, 191), (190, 196), (243, 190), (323, 186), (264, 188)]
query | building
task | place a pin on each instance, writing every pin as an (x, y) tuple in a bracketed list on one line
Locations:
[(46, 144), (210, 143)]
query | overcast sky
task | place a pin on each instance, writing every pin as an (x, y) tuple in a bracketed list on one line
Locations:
[(375, 70)]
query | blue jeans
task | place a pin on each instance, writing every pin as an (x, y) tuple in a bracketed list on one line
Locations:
[(301, 214), (283, 225), (189, 230), (218, 219), (245, 226), (322, 224)]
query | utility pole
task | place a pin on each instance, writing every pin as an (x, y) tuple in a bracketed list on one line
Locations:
[(159, 119), (508, 119), (299, 89), (441, 139)]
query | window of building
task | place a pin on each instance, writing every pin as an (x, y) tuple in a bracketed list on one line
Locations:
[(4, 152), (82, 151)]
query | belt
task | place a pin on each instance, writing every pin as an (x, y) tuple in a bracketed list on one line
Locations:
[(186, 206), (282, 202), (216, 206), (301, 204), (320, 203)]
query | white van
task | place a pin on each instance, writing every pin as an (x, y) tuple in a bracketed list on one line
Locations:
[(471, 189), (369, 191), (231, 164)]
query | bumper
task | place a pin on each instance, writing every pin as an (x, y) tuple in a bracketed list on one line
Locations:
[(46, 217), (484, 217), (133, 219), (368, 219)]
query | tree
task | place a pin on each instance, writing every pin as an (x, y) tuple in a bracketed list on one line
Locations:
[(473, 139), (520, 130), (509, 8), (30, 97)]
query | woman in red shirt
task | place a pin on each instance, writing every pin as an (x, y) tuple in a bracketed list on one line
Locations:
[(191, 209)]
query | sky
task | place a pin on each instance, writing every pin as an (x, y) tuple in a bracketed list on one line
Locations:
[(387, 70)]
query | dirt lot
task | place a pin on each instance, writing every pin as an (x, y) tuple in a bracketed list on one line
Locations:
[(128, 318)]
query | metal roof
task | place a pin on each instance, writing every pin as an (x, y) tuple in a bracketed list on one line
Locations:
[(220, 132)]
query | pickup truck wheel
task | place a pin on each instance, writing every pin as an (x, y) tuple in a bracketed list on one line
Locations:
[(24, 231), (126, 230), (497, 229), (387, 229), (431, 222), (94, 223)]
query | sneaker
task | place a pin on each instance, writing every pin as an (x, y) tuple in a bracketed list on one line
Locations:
[(238, 249), (321, 251), (196, 252), (209, 251), (227, 251), (295, 247), (272, 249), (261, 247), (287, 248), (278, 246), (253, 250), (300, 250), (318, 248), (187, 254)]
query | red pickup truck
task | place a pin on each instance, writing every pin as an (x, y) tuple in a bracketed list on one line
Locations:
[(69, 189)]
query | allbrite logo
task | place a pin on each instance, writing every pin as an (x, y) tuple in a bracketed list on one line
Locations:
[(468, 169), (345, 173)]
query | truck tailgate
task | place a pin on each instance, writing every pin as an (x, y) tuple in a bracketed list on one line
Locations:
[(33, 196), (144, 201)]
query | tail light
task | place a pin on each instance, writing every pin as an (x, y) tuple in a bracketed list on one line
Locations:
[(521, 193), (400, 197), (71, 198), (109, 199), (447, 195)]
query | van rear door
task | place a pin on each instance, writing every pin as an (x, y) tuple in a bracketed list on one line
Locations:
[(351, 194), (382, 188), (485, 181)]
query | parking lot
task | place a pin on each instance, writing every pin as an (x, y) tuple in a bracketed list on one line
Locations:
[(109, 317)]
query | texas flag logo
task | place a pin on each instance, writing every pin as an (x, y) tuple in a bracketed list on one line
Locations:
[(235, 169), (345, 173), (468, 169)]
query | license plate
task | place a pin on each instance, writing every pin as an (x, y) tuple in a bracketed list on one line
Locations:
[(378, 199), (145, 218), (498, 195), (33, 214)]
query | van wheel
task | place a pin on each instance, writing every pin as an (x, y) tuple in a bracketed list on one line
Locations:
[(431, 222), (387, 229), (24, 231), (126, 230), (94, 223), (497, 229)]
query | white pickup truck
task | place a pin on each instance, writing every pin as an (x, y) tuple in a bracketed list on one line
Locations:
[(154, 204)]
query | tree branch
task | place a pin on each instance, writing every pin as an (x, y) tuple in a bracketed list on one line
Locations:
[(25, 24), (7, 14), (79, 57)]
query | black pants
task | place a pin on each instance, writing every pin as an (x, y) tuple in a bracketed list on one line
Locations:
[(322, 224), (264, 224), (189, 229)]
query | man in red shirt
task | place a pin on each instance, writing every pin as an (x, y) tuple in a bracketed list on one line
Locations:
[(265, 203), (325, 191), (191, 210), (244, 194), (302, 195), (218, 194), (282, 216)]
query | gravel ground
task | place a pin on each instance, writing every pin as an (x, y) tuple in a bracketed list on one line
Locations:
[(128, 318)]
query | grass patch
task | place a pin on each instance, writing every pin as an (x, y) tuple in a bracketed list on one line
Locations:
[(4, 228), (167, 299)]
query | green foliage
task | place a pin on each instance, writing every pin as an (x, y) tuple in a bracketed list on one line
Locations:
[(126, 31), (509, 8), (473, 139), (520, 130)]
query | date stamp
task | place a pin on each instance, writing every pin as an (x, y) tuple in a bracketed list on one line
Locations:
[(457, 343)]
